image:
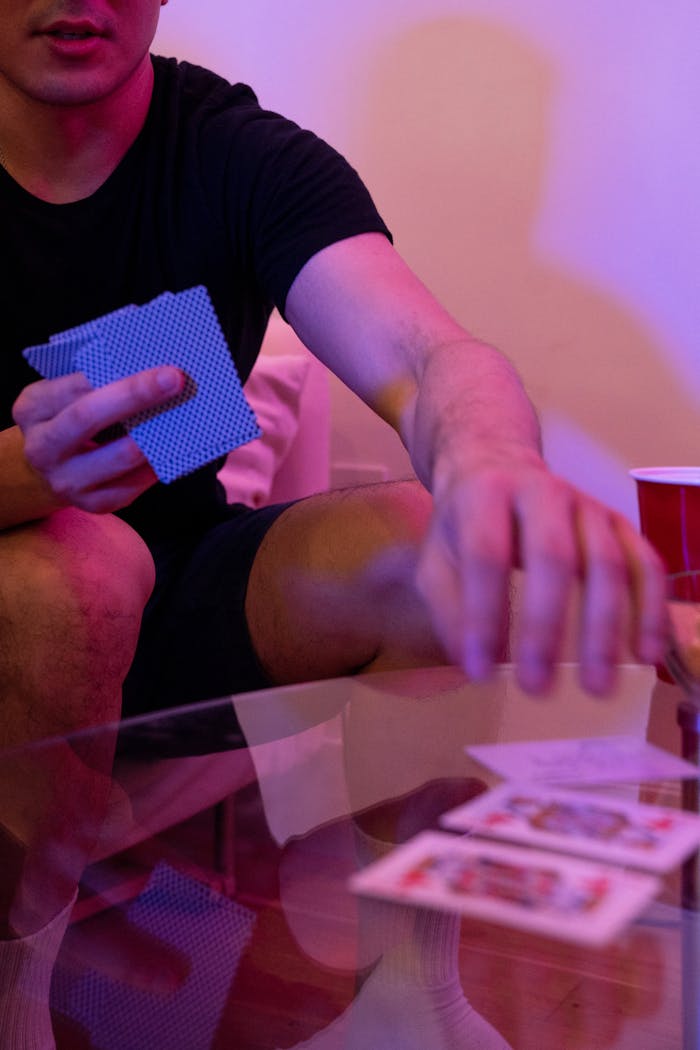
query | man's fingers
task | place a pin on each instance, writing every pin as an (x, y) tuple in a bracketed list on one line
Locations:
[(120, 493), (606, 600), (44, 399), (437, 584), (115, 402), (51, 439), (558, 536), (622, 582), (549, 557), (59, 420), (650, 621), (74, 481), (485, 555), (463, 577), (570, 535)]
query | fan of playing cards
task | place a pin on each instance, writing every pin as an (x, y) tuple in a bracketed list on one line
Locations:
[(582, 897), (211, 416)]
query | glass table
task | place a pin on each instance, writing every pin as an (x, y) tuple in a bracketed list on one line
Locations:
[(214, 848)]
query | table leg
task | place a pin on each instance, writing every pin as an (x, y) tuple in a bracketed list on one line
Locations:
[(689, 722)]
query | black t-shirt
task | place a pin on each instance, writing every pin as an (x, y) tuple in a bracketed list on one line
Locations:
[(214, 191)]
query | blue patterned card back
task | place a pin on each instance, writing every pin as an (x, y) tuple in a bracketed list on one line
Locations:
[(207, 420)]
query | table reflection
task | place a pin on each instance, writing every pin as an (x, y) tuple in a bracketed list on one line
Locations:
[(213, 857)]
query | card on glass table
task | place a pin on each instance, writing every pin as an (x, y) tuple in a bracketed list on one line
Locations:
[(584, 760), (207, 420), (564, 897), (602, 827)]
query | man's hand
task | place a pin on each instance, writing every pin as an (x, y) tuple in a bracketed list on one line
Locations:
[(491, 517), (474, 441), (60, 420)]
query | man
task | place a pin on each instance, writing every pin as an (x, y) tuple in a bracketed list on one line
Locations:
[(121, 179)]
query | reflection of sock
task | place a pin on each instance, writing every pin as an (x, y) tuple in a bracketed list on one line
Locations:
[(26, 965), (429, 955), (391, 1014), (418, 944), (413, 999)]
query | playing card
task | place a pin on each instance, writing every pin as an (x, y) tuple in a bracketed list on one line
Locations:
[(585, 760), (74, 338), (57, 357), (213, 417), (614, 830), (51, 360), (207, 420), (563, 897)]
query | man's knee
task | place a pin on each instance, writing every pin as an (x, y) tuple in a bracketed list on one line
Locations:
[(72, 591), (344, 530), (388, 514), (333, 587)]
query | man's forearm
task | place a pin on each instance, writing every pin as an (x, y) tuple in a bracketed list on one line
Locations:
[(24, 496), (470, 408)]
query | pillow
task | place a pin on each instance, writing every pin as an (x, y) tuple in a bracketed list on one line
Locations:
[(274, 390)]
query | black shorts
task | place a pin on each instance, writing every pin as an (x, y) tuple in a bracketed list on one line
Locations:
[(194, 643)]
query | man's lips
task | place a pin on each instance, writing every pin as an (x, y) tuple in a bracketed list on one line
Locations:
[(68, 30)]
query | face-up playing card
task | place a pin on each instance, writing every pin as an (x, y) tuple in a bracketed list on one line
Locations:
[(614, 830), (585, 760), (567, 898), (207, 420)]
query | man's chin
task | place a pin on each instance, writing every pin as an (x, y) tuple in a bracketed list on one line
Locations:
[(72, 88)]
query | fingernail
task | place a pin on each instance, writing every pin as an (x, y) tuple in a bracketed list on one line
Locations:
[(651, 649), (169, 380), (535, 675), (598, 678), (477, 663)]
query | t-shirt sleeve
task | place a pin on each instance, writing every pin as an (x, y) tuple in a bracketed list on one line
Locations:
[(303, 196)]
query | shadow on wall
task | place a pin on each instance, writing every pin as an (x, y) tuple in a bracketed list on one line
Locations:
[(455, 149)]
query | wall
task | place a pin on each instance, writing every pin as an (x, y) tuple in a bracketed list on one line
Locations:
[(539, 165)]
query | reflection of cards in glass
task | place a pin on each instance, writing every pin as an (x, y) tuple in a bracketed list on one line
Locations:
[(563, 897), (207, 420), (598, 826), (583, 760)]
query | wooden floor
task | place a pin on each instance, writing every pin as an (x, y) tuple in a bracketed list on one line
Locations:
[(539, 996)]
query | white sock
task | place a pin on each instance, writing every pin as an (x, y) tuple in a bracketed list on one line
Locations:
[(413, 999), (394, 1014), (26, 965)]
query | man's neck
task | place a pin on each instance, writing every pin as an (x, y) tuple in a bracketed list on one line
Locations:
[(63, 154)]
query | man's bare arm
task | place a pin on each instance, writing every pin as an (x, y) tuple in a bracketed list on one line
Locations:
[(474, 441)]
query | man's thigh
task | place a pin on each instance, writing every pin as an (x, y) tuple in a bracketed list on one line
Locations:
[(332, 590)]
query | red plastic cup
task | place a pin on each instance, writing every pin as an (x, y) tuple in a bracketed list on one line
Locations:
[(669, 513)]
